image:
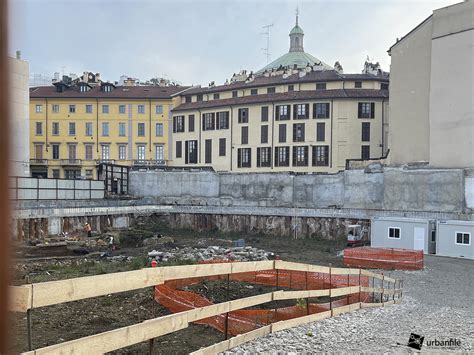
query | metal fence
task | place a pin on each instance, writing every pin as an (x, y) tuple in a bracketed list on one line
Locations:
[(29, 188)]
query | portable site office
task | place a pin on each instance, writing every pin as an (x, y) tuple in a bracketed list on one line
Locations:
[(403, 233), (455, 239)]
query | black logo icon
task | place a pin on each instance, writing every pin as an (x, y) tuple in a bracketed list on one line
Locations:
[(415, 341)]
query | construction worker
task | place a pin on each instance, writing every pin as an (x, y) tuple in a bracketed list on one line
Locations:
[(88, 229)]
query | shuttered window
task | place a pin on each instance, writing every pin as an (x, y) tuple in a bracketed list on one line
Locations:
[(208, 151), (321, 110), (245, 135), (244, 158), (282, 112), (366, 110), (365, 152), (264, 114), (320, 132), (208, 121), (264, 134), (298, 132), (222, 147), (222, 121), (282, 133), (179, 147), (178, 124), (243, 115), (365, 132), (300, 156), (321, 155), (264, 157), (282, 156), (300, 111), (191, 123)]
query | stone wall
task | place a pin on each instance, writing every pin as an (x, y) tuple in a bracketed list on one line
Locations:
[(395, 189)]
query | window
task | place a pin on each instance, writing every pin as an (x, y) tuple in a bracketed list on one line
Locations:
[(141, 109), (121, 108), (191, 152), (191, 123), (271, 90), (365, 131), (321, 110), (320, 131), (122, 148), (300, 111), (208, 151), (463, 238), (235, 93), (264, 134), (55, 151), (38, 151), (141, 130), (365, 152), (199, 97), (208, 122), (222, 146), (320, 86), (72, 150), (88, 109), (254, 92), (264, 157), (283, 112), (72, 128), (159, 109), (245, 135), (282, 156), (89, 148), (383, 86), (366, 109), (300, 156), (264, 114), (178, 124), (56, 174), (291, 88), (243, 115), (39, 108), (358, 84), (433, 236), (179, 152), (105, 129), (83, 88), (222, 120), (282, 133), (55, 108), (159, 152), (188, 99), (244, 159), (88, 129), (106, 88), (89, 174), (321, 155), (217, 96), (105, 108), (39, 128), (394, 233), (55, 131), (122, 129), (72, 174), (298, 132), (72, 108), (105, 152), (159, 129), (141, 152)]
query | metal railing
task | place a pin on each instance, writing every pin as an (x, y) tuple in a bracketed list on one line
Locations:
[(70, 161), (36, 189), (139, 162), (37, 161)]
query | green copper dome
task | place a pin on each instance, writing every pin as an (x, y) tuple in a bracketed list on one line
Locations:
[(296, 30)]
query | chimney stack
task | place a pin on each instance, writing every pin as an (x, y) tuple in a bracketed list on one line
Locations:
[(18, 54)]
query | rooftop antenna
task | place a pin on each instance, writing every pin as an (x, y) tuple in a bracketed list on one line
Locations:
[(266, 50), (297, 12)]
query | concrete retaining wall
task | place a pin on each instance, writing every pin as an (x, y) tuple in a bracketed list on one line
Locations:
[(395, 189)]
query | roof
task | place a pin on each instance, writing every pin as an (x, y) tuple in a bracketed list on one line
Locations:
[(296, 30), (290, 59), (120, 92), (287, 96), (261, 80)]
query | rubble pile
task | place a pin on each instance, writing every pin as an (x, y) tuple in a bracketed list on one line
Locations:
[(247, 253)]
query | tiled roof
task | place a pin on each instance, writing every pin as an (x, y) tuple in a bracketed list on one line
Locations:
[(287, 96), (120, 92), (260, 80)]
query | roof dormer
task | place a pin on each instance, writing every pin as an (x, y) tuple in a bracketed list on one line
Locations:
[(106, 87), (83, 86)]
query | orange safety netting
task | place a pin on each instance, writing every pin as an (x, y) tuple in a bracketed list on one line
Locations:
[(242, 321), (384, 258)]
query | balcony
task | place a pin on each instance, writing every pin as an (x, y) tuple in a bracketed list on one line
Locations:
[(71, 162), (105, 161), (149, 162), (39, 162)]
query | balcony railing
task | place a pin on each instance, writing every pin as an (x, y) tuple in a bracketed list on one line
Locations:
[(149, 162), (38, 161), (105, 161), (71, 162)]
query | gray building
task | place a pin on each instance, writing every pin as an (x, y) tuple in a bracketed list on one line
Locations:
[(455, 239), (403, 233)]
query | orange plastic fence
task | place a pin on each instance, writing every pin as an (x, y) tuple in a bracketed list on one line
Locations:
[(384, 258), (243, 321)]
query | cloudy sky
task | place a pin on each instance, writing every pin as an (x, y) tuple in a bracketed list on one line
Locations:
[(195, 42)]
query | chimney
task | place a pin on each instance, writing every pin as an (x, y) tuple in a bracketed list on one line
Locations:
[(18, 54)]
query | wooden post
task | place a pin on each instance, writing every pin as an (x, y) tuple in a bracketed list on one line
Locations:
[(348, 285), (226, 326), (383, 285), (151, 343), (307, 298), (29, 322), (359, 285), (373, 286), (330, 288)]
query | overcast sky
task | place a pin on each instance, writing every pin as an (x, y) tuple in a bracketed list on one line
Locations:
[(196, 42)]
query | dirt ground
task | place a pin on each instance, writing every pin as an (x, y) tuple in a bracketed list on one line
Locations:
[(55, 324)]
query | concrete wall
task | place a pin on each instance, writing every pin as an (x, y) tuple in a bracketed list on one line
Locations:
[(392, 189)]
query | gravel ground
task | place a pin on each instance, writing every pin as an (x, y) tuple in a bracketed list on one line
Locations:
[(438, 303)]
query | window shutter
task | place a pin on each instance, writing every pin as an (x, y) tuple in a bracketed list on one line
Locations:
[(288, 110), (186, 152), (258, 156), (277, 113), (218, 115), (250, 157), (294, 133), (174, 124), (295, 111), (306, 112), (203, 123), (302, 132), (314, 110), (213, 115), (372, 110), (239, 158), (294, 156), (306, 156), (327, 111), (360, 110)]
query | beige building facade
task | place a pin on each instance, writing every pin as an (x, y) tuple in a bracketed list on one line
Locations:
[(432, 91), (297, 114)]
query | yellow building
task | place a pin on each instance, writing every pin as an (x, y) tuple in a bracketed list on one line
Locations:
[(296, 114), (74, 126)]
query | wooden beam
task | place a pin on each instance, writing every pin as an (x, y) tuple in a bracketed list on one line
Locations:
[(276, 327), (341, 291), (20, 299)]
